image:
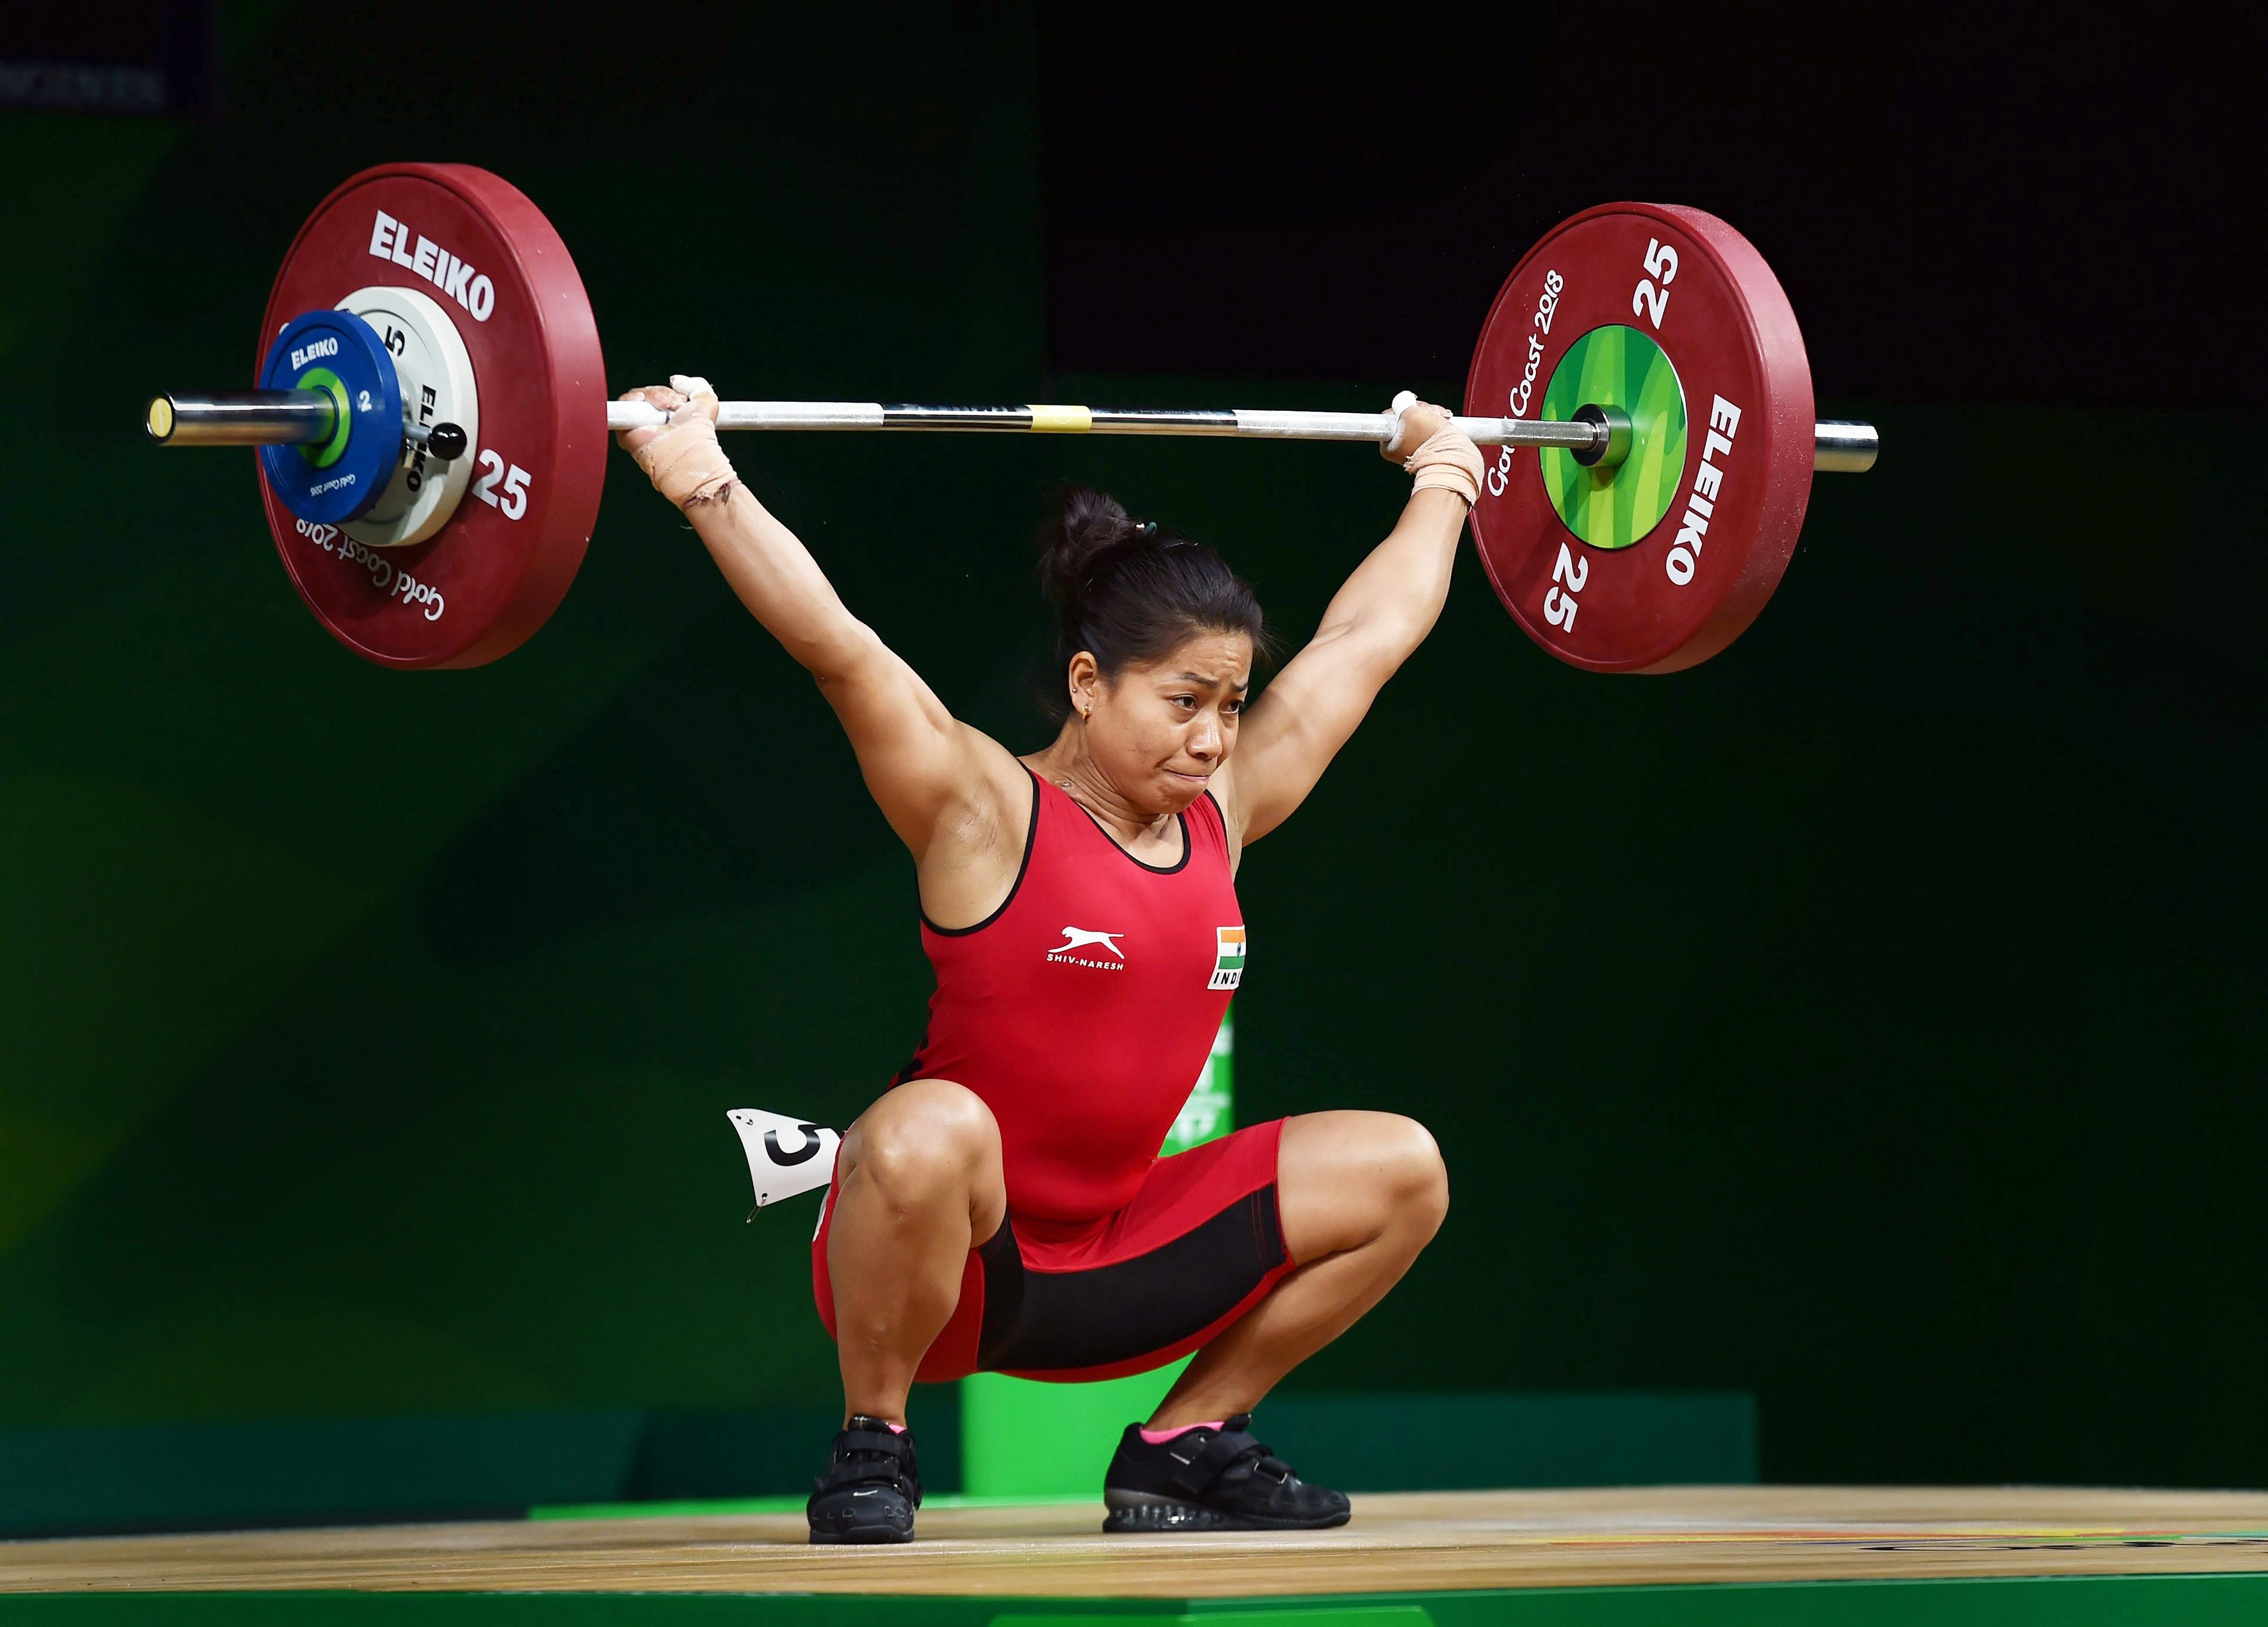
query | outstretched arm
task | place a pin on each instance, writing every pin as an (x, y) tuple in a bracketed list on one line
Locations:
[(1374, 622), (922, 766)]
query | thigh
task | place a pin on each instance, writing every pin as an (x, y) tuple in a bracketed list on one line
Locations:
[(1341, 1175)]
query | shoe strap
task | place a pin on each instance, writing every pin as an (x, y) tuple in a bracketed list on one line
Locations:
[(884, 1442), (869, 1451), (1222, 1451), (866, 1472)]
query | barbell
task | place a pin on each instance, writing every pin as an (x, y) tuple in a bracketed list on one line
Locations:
[(431, 419)]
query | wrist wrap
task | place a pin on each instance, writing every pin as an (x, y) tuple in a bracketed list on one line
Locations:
[(1447, 461), (684, 462)]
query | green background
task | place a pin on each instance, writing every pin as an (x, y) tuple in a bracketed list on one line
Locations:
[(1869, 1021)]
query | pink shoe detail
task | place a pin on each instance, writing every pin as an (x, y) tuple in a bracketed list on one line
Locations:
[(1160, 1437)]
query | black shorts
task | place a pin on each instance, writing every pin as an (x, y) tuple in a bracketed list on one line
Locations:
[(1200, 1245)]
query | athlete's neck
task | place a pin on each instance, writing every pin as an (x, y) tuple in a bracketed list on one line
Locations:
[(1067, 765)]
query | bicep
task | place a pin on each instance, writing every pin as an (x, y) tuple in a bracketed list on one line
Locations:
[(919, 762)]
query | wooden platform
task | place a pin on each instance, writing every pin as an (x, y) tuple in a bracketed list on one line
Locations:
[(1407, 1546)]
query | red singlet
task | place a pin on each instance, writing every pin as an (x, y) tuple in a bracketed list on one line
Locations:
[(1083, 1010)]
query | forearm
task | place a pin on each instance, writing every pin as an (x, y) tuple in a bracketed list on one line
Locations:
[(767, 564), (782, 584)]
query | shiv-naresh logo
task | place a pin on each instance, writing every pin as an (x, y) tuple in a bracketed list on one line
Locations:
[(1228, 960), (1078, 938)]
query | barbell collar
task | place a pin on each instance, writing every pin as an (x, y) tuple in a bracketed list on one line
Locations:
[(243, 418), (1614, 443)]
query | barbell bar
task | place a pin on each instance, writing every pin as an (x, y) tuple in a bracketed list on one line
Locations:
[(271, 418), (242, 418), (284, 418)]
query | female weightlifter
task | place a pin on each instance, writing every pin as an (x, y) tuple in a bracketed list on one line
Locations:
[(1001, 1206)]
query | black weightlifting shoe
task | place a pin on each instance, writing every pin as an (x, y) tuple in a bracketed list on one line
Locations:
[(871, 1488), (1207, 1479)]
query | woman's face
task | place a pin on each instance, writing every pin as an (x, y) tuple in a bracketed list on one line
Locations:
[(1163, 728)]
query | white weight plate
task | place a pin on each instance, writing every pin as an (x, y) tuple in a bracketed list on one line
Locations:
[(437, 388)]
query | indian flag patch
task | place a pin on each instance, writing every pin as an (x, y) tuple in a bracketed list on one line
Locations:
[(1228, 960)]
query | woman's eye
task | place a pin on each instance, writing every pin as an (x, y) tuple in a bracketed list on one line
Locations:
[(1188, 701)]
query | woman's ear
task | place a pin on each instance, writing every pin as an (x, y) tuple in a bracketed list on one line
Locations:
[(1085, 679)]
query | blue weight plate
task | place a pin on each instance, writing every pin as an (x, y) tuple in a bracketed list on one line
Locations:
[(340, 354)]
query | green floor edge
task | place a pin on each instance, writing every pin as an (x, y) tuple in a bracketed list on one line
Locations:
[(2176, 1601)]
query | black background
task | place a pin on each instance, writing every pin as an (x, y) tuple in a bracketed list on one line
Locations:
[(1964, 203)]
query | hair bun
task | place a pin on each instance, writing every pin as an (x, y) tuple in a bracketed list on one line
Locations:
[(1085, 526)]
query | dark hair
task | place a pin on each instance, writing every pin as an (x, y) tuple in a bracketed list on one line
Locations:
[(1129, 591)]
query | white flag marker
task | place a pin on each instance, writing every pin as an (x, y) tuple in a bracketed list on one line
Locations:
[(786, 1155)]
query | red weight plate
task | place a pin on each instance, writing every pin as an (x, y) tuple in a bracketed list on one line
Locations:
[(474, 243), (1725, 327)]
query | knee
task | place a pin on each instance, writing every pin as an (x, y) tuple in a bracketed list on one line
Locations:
[(924, 1137), (1418, 1178)]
